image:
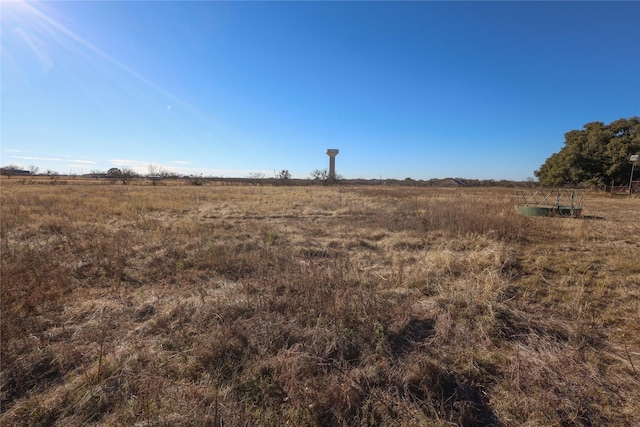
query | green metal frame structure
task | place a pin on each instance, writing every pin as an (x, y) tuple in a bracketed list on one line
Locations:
[(548, 202)]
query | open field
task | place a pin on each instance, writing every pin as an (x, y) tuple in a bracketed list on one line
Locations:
[(213, 305)]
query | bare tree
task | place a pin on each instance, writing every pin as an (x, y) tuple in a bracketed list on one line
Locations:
[(128, 174), (255, 177), (33, 170), (155, 173), (283, 175), (123, 175), (323, 176), (319, 174)]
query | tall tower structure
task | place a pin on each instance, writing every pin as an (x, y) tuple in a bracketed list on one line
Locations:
[(332, 153)]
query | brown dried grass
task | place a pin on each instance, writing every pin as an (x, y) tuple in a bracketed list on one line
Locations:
[(235, 305)]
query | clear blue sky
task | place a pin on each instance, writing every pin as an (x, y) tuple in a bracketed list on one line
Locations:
[(403, 89)]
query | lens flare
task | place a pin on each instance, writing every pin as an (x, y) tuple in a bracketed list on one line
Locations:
[(34, 25)]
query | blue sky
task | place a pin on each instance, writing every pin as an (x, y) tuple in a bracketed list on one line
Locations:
[(425, 90)]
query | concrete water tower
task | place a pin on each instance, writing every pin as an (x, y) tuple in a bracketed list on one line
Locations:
[(332, 153)]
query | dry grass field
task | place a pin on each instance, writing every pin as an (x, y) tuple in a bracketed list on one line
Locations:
[(180, 305)]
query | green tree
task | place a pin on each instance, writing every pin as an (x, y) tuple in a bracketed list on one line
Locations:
[(594, 155)]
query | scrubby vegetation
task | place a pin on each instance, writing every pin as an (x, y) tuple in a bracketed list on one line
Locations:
[(337, 306)]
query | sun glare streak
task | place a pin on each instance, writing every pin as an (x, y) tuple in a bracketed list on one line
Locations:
[(29, 18), (97, 51), (44, 59), (45, 34)]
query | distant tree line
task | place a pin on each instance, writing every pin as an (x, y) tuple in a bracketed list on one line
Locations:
[(594, 156), (12, 170), (317, 177)]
